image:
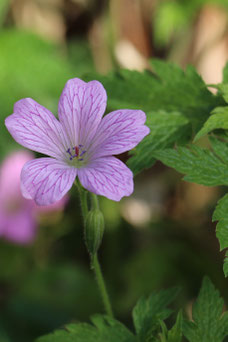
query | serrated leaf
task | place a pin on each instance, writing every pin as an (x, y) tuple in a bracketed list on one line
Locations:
[(218, 119), (221, 209), (148, 312), (205, 167), (220, 148), (225, 265), (104, 329), (168, 88), (209, 324), (200, 165), (175, 334), (166, 128), (223, 88), (221, 214)]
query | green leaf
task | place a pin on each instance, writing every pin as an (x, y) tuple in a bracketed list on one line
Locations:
[(175, 334), (223, 88), (221, 214), (104, 329), (166, 129), (225, 266), (200, 165), (218, 119), (204, 167), (149, 311), (167, 89), (209, 324)]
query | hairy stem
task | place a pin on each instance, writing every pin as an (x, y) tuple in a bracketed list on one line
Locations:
[(101, 284), (95, 265), (83, 200)]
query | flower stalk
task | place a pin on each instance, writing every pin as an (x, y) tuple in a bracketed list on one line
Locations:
[(95, 265), (93, 228)]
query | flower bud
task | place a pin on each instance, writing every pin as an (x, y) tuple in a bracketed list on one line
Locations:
[(94, 229)]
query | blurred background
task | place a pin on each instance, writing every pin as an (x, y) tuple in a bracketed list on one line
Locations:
[(162, 236)]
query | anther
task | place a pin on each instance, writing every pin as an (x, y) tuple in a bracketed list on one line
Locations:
[(78, 152)]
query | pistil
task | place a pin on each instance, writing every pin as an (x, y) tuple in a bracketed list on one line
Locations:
[(78, 152)]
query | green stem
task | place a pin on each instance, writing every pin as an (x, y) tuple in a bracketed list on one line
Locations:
[(101, 284), (83, 200), (95, 265), (94, 201)]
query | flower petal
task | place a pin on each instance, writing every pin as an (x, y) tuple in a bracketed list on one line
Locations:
[(46, 180), (108, 177), (81, 107), (36, 128), (119, 131)]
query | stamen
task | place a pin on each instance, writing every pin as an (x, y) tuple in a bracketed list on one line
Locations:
[(83, 152), (78, 152), (68, 151)]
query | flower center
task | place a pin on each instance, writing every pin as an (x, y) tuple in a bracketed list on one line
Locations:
[(76, 153)]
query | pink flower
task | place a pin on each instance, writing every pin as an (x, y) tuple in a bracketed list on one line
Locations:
[(18, 216), (80, 144)]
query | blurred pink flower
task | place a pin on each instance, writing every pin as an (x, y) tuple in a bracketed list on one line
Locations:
[(18, 215)]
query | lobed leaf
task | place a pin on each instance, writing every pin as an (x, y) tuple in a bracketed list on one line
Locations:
[(221, 214), (166, 128), (225, 266), (209, 325), (218, 119), (104, 329), (200, 165), (167, 89), (206, 167), (149, 311), (175, 334)]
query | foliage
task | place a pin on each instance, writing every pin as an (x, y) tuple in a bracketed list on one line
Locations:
[(146, 316), (169, 129), (175, 333), (177, 104), (166, 129), (148, 312), (200, 165), (209, 324), (179, 109), (42, 287)]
